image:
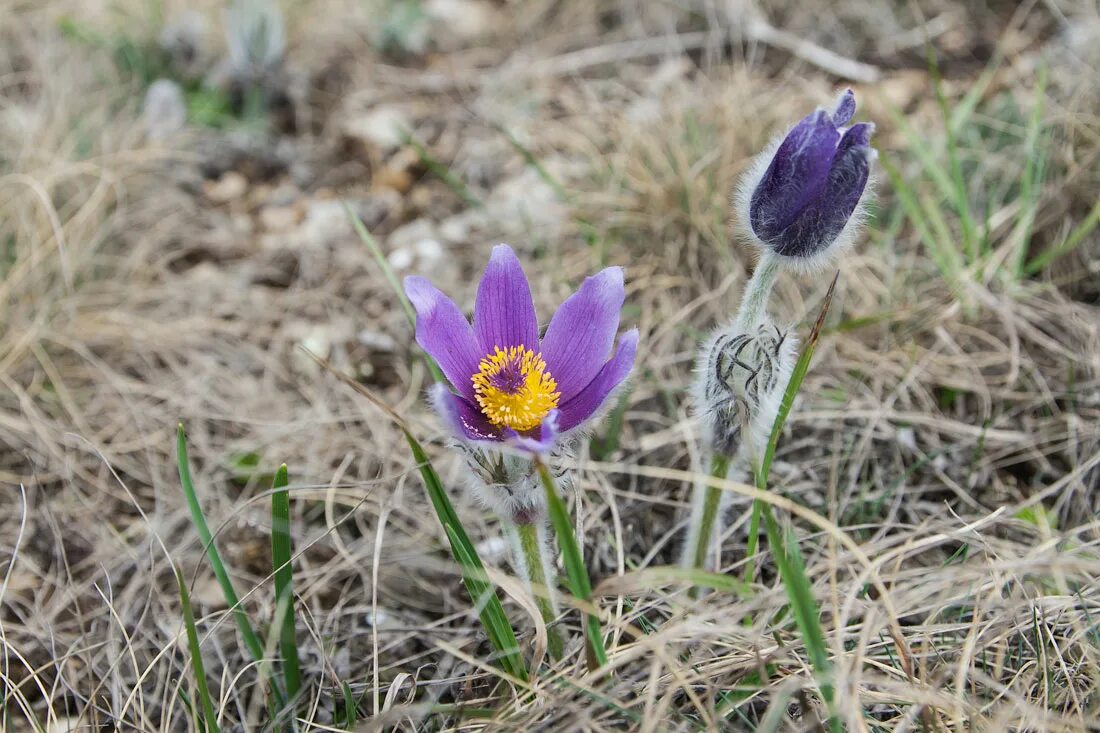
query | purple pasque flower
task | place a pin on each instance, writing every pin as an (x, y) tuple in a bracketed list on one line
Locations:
[(801, 198), (507, 384)]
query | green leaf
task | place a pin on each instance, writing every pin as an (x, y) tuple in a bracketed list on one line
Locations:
[(788, 559), (284, 580), (801, 367), (209, 720), (575, 570), (351, 709), (251, 640), (482, 592), (493, 618), (1039, 516)]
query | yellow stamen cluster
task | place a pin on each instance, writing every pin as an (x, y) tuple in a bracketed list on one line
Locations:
[(514, 389)]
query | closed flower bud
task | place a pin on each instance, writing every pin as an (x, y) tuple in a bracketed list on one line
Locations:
[(740, 379), (740, 376), (801, 200), (505, 482)]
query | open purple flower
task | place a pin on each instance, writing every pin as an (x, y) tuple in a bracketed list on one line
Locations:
[(505, 383), (799, 199)]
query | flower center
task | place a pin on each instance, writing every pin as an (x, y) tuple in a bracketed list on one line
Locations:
[(514, 389)]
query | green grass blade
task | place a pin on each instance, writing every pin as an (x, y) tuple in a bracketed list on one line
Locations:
[(965, 107), (788, 559), (244, 625), (601, 448), (753, 542), (924, 153), (660, 576), (532, 160), (491, 612), (801, 367), (575, 570), (1031, 180), (492, 615), (804, 608), (209, 716), (284, 580), (960, 199), (383, 264), (440, 170), (942, 253), (485, 600), (1070, 243), (391, 279), (351, 709)]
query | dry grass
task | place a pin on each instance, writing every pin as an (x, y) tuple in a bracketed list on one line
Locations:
[(135, 296)]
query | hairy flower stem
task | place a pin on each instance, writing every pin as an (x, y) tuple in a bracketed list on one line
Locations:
[(534, 564), (705, 516), (708, 500), (755, 300)]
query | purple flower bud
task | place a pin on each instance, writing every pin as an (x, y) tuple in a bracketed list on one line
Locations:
[(800, 201)]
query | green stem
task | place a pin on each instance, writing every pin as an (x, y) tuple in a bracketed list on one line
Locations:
[(754, 540), (707, 516), (540, 577), (712, 500)]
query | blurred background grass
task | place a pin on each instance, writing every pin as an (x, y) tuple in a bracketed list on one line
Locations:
[(173, 230)]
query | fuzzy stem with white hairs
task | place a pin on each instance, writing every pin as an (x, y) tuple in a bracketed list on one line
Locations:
[(705, 524), (755, 300), (532, 560)]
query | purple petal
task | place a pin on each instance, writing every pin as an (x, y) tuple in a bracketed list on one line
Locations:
[(821, 222), (504, 314), (845, 108), (857, 135), (443, 332), (540, 442), (581, 334), (463, 418), (795, 176), (591, 398)]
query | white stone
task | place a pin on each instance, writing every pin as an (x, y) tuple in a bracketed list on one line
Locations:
[(527, 201), (324, 221), (492, 548), (429, 251), (400, 259), (377, 340), (164, 111), (459, 20), (232, 185), (455, 229), (907, 439), (382, 127)]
